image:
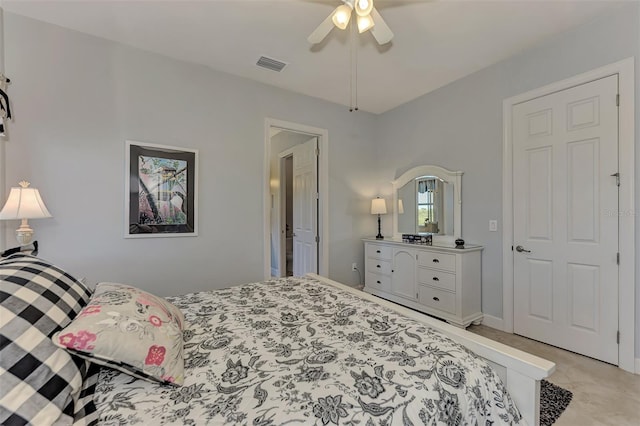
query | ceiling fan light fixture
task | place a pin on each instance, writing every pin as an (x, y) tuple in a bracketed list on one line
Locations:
[(341, 16), (363, 7), (365, 23)]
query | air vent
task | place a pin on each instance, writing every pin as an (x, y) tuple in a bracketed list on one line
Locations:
[(270, 64)]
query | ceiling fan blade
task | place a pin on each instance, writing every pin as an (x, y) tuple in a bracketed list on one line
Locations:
[(323, 29), (381, 31)]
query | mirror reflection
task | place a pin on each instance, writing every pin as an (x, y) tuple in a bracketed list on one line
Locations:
[(426, 205), (428, 199)]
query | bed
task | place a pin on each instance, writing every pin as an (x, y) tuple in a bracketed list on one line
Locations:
[(305, 351)]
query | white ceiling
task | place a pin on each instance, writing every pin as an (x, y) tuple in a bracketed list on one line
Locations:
[(436, 42)]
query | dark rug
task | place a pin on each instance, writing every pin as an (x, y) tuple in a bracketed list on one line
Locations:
[(553, 401)]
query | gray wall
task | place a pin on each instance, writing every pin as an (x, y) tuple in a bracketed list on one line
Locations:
[(460, 127), (77, 98)]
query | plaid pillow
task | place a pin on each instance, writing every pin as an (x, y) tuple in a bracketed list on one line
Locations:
[(86, 413), (39, 382)]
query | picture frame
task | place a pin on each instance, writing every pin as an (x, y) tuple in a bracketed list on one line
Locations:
[(161, 191)]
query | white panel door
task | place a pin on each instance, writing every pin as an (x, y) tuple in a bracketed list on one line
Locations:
[(403, 276), (305, 208), (565, 149)]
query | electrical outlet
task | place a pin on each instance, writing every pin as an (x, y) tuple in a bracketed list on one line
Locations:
[(493, 225), (354, 266)]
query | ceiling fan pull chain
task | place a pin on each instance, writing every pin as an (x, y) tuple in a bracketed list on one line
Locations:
[(351, 66), (356, 75)]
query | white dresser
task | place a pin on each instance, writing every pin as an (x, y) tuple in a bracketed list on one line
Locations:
[(441, 281)]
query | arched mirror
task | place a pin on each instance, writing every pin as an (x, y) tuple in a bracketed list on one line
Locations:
[(428, 199)]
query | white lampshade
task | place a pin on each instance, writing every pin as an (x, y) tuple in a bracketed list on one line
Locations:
[(341, 16), (364, 23), (24, 203), (400, 207), (363, 7), (378, 206)]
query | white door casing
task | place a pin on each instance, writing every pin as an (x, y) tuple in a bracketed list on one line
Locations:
[(305, 208), (565, 149)]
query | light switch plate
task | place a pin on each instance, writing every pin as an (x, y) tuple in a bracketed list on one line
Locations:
[(493, 225)]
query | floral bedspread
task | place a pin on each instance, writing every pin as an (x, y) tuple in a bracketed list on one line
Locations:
[(298, 351)]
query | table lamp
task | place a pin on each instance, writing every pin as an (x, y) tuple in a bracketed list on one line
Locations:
[(24, 203), (378, 206)]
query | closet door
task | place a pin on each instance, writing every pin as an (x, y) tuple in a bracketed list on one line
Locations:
[(565, 222)]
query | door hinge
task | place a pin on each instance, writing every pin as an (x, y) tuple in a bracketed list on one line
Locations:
[(317, 195), (617, 176), (317, 152), (617, 258), (618, 337), (317, 239), (618, 99)]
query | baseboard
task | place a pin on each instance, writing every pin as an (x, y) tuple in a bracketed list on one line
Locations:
[(493, 322), (638, 366)]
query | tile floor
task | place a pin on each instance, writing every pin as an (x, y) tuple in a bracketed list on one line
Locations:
[(602, 393)]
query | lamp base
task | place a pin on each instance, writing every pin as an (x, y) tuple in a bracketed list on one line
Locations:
[(379, 236), (24, 234)]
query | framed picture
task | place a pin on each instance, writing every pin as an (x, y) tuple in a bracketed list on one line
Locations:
[(161, 191)]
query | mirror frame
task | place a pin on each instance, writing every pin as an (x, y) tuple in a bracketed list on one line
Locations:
[(451, 176)]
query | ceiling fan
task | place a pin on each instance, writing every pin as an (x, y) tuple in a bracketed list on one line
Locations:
[(367, 17)]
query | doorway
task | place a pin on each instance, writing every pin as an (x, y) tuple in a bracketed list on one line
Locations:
[(285, 267), (558, 293), (294, 215), (296, 208)]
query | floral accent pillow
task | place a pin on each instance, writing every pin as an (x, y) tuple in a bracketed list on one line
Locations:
[(130, 330)]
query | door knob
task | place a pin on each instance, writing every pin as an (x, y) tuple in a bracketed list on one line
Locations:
[(521, 249)]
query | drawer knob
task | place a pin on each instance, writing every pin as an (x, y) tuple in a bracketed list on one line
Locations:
[(436, 299), (378, 251), (378, 282), (436, 279), (377, 266), (436, 261)]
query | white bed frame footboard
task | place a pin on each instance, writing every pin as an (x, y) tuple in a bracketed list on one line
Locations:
[(520, 371)]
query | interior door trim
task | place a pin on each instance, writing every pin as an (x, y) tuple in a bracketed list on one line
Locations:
[(323, 191), (626, 208)]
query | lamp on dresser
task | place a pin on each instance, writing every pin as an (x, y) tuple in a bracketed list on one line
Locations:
[(378, 206), (24, 203)]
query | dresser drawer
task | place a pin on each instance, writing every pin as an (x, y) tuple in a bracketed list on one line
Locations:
[(379, 252), (435, 278), (378, 266), (437, 260), (381, 282), (438, 299)]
